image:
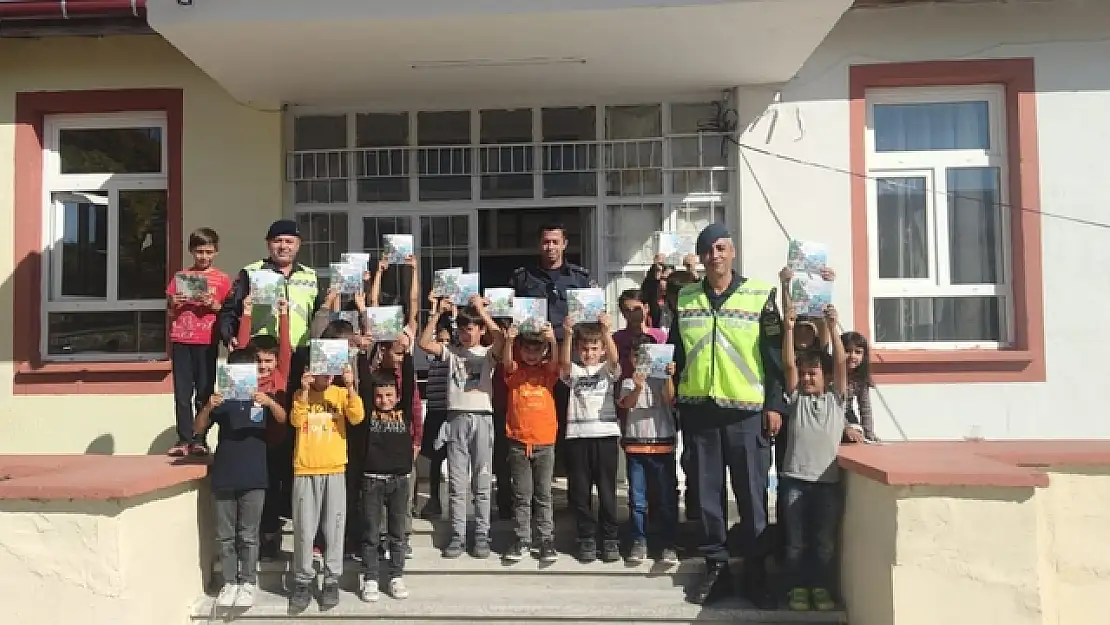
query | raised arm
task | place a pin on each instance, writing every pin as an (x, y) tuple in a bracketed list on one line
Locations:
[(414, 292), (668, 385), (840, 359), (789, 364), (428, 341), (244, 335), (496, 335), (204, 417), (507, 361), (552, 348), (612, 357), (785, 276), (566, 358), (233, 309), (285, 348), (376, 281)]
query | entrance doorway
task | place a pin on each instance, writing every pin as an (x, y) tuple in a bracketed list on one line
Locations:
[(508, 238)]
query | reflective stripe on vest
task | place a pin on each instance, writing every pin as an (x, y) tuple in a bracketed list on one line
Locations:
[(300, 292), (723, 362)]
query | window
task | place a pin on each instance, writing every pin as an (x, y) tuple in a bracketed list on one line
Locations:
[(939, 236), (320, 168), (382, 160), (324, 236), (505, 160), (444, 159), (634, 150), (105, 226)]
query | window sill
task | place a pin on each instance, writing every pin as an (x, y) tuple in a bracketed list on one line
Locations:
[(920, 366), (93, 378)]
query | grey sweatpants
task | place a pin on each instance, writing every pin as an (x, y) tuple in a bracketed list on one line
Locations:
[(319, 502), (238, 514), (469, 439)]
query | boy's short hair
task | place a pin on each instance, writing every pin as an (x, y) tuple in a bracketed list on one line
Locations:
[(468, 316), (382, 380), (531, 339), (815, 358), (629, 295), (588, 332), (242, 356), (264, 344), (203, 236), (338, 329)]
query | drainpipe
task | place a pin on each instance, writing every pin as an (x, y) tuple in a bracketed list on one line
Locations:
[(32, 10)]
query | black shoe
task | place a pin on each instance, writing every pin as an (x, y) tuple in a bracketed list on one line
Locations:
[(548, 554), (329, 597), (756, 587), (515, 553), (637, 553), (270, 549), (481, 549), (432, 510), (455, 548), (610, 551), (587, 551), (716, 574), (302, 596)]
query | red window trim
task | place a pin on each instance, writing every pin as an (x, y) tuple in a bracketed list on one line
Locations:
[(1025, 362), (33, 376)]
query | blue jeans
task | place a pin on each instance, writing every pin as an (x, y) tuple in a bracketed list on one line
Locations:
[(660, 470), (812, 515)]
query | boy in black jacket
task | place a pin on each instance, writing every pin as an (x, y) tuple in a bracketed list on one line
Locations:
[(387, 464)]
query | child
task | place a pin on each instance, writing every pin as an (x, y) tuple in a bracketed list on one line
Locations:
[(809, 474), (502, 474), (321, 412), (238, 480), (649, 436), (858, 413), (468, 433), (592, 436), (808, 334), (637, 324), (436, 391), (691, 505), (530, 427), (194, 349), (386, 472)]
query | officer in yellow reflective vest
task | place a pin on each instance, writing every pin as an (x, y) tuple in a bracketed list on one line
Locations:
[(728, 355)]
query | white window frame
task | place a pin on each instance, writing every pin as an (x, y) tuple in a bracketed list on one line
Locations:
[(931, 165), (55, 182)]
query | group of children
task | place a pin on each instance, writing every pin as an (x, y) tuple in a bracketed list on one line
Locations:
[(356, 437)]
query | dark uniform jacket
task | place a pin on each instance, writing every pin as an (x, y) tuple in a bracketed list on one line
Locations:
[(551, 284)]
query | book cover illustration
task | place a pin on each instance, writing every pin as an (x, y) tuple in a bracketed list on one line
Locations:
[(675, 246), (346, 279), (652, 360), (585, 305), (810, 294), (267, 287), (328, 356), (190, 284), (469, 286), (530, 314), (350, 316), (398, 247), (445, 282), (500, 302), (237, 382), (358, 259), (807, 256), (385, 323)]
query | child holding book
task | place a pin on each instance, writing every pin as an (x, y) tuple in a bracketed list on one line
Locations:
[(194, 348), (436, 391), (858, 354), (531, 426), (238, 480)]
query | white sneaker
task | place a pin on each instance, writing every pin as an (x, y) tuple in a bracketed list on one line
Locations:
[(397, 588), (245, 598), (368, 591), (227, 596)]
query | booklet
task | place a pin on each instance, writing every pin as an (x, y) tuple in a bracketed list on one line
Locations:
[(350, 316), (652, 360), (385, 323), (500, 302), (585, 305), (191, 284), (807, 256), (468, 287), (675, 246), (237, 382), (810, 294), (267, 287), (397, 247), (346, 278), (445, 282), (358, 259), (530, 314), (328, 356)]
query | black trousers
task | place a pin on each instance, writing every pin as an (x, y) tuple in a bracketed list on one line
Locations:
[(194, 379), (592, 462), (393, 493), (279, 458)]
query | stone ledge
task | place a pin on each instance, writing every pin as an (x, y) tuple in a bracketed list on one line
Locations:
[(93, 477)]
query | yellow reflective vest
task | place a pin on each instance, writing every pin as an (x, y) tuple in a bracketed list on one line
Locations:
[(723, 361), (301, 290)]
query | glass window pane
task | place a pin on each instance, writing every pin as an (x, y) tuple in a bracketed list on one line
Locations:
[(974, 229), (512, 162), (632, 229), (444, 170), (926, 319), (115, 332), (903, 236), (323, 239), (694, 216), (83, 244), (382, 163), (570, 164), (324, 169), (689, 118), (142, 244), (634, 122), (320, 132), (932, 126), (110, 150)]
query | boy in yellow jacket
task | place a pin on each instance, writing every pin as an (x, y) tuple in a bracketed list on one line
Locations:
[(321, 413)]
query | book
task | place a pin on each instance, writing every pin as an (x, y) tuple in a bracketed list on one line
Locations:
[(266, 287), (468, 287), (530, 314), (675, 246), (346, 278), (810, 294), (397, 247), (445, 282), (585, 305), (191, 284), (358, 259), (385, 323), (350, 316), (652, 360), (807, 256), (500, 302), (237, 382), (328, 356)]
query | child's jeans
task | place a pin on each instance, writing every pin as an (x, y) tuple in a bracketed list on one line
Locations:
[(658, 472), (812, 515), (393, 492), (319, 503), (194, 378), (469, 441), (593, 462), (531, 485), (238, 513)]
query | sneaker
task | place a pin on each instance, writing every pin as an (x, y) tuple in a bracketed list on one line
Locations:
[(179, 450), (669, 556), (432, 510), (302, 596), (637, 553), (515, 552), (198, 449), (798, 599), (270, 547), (713, 582), (481, 548), (245, 597), (610, 551), (455, 548), (547, 551), (587, 551), (329, 597), (397, 588), (226, 598), (822, 600), (317, 553), (368, 590)]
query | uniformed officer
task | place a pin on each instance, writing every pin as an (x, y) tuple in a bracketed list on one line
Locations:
[(728, 353)]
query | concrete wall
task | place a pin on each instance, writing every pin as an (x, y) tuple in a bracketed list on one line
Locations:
[(232, 173)]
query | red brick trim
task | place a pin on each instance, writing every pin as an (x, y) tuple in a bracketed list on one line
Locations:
[(32, 375), (1025, 362)]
